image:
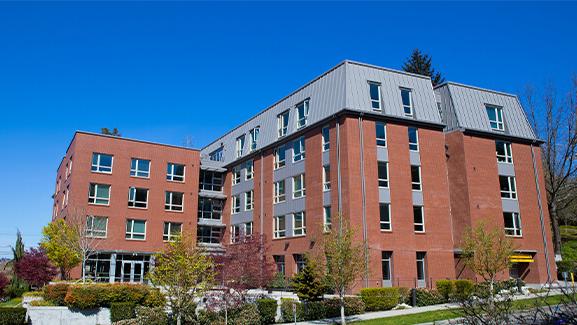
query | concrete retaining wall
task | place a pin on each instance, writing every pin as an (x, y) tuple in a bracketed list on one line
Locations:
[(65, 316)]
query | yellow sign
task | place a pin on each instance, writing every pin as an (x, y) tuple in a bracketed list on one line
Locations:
[(521, 258)]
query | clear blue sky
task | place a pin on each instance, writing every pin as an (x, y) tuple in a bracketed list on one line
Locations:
[(167, 71)]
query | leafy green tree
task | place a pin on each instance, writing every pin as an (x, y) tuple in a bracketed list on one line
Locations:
[(114, 132), (420, 63), (308, 283), (57, 237)]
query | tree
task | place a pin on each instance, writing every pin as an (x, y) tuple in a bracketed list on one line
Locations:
[(82, 240), (420, 63), (308, 283), (17, 284), (4, 281), (56, 238), (185, 272), (556, 124), (35, 268), (114, 132)]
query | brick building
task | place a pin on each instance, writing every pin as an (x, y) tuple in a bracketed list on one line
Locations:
[(410, 166)]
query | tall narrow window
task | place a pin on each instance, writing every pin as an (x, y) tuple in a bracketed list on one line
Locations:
[(381, 134), (387, 265), (171, 231), (495, 115), (248, 200), (326, 177), (140, 168), (508, 187), (385, 214), (280, 264), (326, 138), (504, 152), (421, 266), (96, 226), (99, 194), (512, 222), (235, 205), (235, 233), (282, 124), (235, 175), (302, 113), (299, 149), (375, 92), (254, 138), (247, 229), (383, 174), (299, 224), (300, 261), (173, 201), (413, 139), (137, 197), (279, 157), (239, 145), (416, 178), (135, 229), (299, 186), (406, 96), (418, 219), (279, 227), (249, 170), (327, 224), (175, 172), (101, 163), (279, 191)]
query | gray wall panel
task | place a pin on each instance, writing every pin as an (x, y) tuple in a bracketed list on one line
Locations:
[(415, 158), (510, 205), (382, 154), (417, 198), (384, 195), (506, 169), (327, 198)]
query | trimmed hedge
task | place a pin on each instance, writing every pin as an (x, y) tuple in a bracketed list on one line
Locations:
[(55, 293), (377, 299), (446, 288), (455, 290), (121, 311), (314, 310), (427, 297), (267, 310), (12, 316)]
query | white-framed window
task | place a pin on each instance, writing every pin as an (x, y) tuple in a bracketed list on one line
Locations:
[(512, 222), (248, 200), (99, 194), (326, 177), (279, 157), (387, 265), (235, 175), (175, 172), (66, 193), (279, 261), (419, 218), (302, 113), (279, 191), (140, 168), (383, 174), (101, 163), (64, 200), (235, 233), (299, 149), (282, 124), (299, 224), (385, 216), (279, 227), (327, 223), (381, 134), (171, 231), (58, 184), (495, 115), (248, 228), (96, 226), (375, 94), (300, 262), (135, 229), (299, 186), (326, 138), (416, 182), (235, 204), (504, 152), (173, 201), (69, 168), (249, 172), (217, 155), (254, 138), (421, 266), (413, 139), (407, 98), (239, 146), (508, 187), (209, 208), (137, 197)]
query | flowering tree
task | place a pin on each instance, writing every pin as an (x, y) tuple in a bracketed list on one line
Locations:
[(4, 281), (35, 268)]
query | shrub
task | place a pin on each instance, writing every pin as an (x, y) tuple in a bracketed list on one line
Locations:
[(121, 311), (151, 316), (121, 292), (267, 310), (376, 299), (154, 298), (245, 315), (463, 289), (33, 294), (446, 288), (41, 303), (12, 316), (84, 296), (327, 308), (132, 321), (55, 293), (405, 296), (427, 297), (287, 310), (103, 295), (4, 281), (353, 306)]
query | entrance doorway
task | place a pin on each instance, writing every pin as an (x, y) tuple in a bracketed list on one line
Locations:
[(132, 271)]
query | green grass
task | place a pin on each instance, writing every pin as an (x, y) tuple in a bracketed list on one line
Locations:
[(14, 302)]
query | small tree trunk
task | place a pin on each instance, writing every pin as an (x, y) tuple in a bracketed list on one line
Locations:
[(342, 297), (555, 227), (178, 319), (83, 269)]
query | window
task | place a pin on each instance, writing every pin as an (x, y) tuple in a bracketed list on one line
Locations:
[(385, 214), (504, 152), (248, 200), (375, 93), (418, 219), (327, 219), (496, 118), (300, 261), (254, 138), (96, 226), (239, 146), (299, 224), (217, 155), (387, 265), (66, 192), (137, 197), (101, 163), (302, 113), (171, 231), (140, 168), (175, 172), (249, 170), (210, 208), (235, 233), (210, 181), (406, 96), (282, 124), (248, 229), (173, 201), (135, 229), (235, 206), (416, 178), (99, 194), (326, 177), (279, 227), (279, 157), (235, 176), (69, 168), (383, 174), (381, 133), (280, 264), (421, 274), (64, 200), (413, 139), (299, 149), (279, 191), (209, 235), (326, 138), (299, 186), (512, 224), (508, 188)]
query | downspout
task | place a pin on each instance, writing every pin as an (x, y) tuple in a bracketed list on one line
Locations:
[(364, 202), (340, 205)]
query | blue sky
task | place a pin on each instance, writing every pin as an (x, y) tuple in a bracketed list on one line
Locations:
[(167, 71)]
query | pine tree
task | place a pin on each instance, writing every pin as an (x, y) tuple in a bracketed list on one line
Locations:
[(308, 282), (420, 63), (17, 285)]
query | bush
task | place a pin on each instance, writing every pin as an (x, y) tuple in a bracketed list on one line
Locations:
[(154, 298), (245, 315), (132, 321), (12, 316), (267, 310), (327, 308), (353, 306), (446, 288), (427, 297), (463, 289), (121, 311), (120, 292), (151, 316), (41, 303), (376, 299), (104, 295), (405, 296), (287, 310), (84, 296), (56, 293)]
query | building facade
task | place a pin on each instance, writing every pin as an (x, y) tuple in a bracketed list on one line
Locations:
[(409, 166)]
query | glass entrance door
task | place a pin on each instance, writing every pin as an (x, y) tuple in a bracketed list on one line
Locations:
[(132, 271)]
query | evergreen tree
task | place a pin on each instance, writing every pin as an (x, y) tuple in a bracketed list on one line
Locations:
[(420, 63), (17, 285), (114, 132), (309, 284)]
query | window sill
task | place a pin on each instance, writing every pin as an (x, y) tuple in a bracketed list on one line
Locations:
[(411, 150), (176, 211), (421, 190), (277, 168), (387, 230), (514, 236), (138, 208), (135, 239), (180, 182), (99, 204), (141, 177), (300, 197), (420, 232), (297, 236), (95, 172)]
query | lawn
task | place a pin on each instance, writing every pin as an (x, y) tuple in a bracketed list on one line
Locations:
[(14, 302)]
